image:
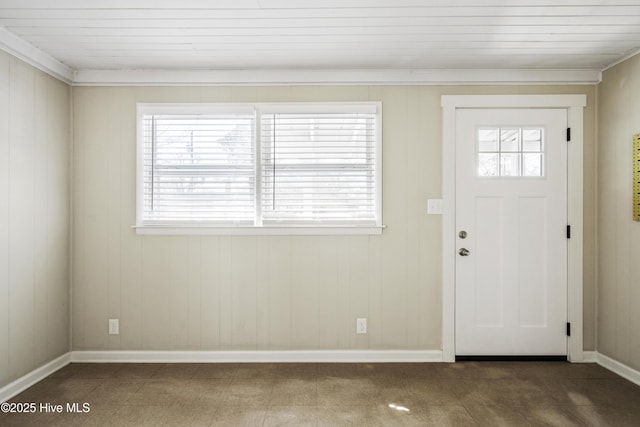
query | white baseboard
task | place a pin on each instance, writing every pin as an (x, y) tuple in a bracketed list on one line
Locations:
[(318, 356), (301, 356), (18, 386), (619, 368)]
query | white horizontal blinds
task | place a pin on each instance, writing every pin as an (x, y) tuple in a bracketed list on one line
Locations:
[(198, 168), (318, 168)]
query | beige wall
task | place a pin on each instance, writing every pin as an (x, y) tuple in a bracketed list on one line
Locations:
[(618, 235), (34, 218), (264, 292), (272, 292)]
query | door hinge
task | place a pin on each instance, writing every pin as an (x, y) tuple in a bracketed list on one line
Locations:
[(568, 134), (568, 329), (568, 231)]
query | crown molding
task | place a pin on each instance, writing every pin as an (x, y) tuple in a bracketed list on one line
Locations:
[(621, 60), (30, 54), (333, 77)]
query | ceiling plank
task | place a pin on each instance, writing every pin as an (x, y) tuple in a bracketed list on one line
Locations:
[(338, 22), (113, 39), (320, 12), (481, 29), (373, 49), (285, 4)]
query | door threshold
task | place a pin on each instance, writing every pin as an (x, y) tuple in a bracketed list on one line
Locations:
[(511, 358)]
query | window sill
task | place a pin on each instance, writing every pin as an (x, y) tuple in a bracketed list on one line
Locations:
[(260, 231)]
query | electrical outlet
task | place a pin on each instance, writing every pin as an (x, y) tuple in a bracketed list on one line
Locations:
[(114, 326), (361, 325)]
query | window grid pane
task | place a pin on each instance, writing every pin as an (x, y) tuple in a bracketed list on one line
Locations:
[(510, 152)]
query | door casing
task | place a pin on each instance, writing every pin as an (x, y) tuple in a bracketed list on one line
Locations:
[(574, 104)]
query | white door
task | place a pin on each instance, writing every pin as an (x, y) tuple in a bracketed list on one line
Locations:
[(511, 219)]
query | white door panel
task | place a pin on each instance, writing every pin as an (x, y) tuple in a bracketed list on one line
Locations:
[(511, 199)]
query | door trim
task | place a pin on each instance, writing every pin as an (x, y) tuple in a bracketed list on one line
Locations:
[(574, 104)]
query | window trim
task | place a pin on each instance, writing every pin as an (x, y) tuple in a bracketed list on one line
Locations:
[(257, 228)]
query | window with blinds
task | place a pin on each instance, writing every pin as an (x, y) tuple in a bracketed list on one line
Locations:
[(198, 168), (318, 168), (259, 165)]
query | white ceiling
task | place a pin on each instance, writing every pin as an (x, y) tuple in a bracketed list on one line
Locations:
[(327, 34)]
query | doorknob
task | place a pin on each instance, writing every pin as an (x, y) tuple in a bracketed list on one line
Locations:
[(463, 252)]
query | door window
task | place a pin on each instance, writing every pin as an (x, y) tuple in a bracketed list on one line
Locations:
[(510, 152)]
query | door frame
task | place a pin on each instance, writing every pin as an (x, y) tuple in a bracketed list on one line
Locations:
[(574, 104)]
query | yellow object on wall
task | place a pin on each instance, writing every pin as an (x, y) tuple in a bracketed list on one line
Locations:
[(636, 177)]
